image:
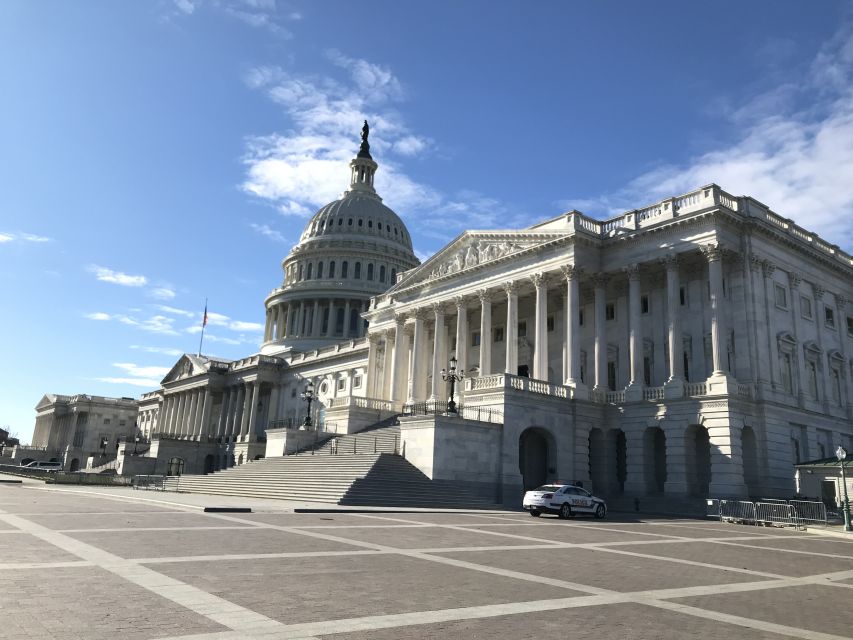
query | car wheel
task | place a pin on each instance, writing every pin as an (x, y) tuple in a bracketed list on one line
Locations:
[(566, 511), (535, 513), (600, 511)]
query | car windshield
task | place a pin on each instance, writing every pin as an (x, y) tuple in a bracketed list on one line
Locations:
[(548, 487)]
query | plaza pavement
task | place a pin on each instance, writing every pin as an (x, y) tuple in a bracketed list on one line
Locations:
[(100, 563)]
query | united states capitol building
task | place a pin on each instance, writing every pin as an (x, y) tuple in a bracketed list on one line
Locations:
[(701, 345)]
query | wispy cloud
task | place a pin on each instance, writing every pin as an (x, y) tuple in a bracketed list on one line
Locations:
[(222, 321), (136, 375), (117, 277), (154, 324), (177, 312), (166, 351), (263, 14), (794, 150), (8, 236), (303, 169), (268, 232), (162, 293)]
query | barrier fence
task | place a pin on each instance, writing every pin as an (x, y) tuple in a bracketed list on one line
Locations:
[(149, 482), (768, 512)]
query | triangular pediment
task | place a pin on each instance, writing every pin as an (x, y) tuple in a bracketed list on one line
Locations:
[(46, 401), (186, 367), (474, 249)]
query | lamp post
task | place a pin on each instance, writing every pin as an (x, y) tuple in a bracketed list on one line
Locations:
[(135, 443), (452, 377), (104, 442), (308, 396), (841, 454)]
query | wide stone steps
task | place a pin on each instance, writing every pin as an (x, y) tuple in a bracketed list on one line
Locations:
[(376, 440), (356, 479)]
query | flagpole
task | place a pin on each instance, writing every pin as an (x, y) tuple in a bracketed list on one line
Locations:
[(203, 325)]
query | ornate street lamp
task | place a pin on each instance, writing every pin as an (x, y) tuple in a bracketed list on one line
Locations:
[(135, 443), (104, 442), (308, 396), (452, 377), (841, 454)]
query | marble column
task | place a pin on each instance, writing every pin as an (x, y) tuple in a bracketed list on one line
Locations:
[(272, 413), (384, 392), (674, 386), (511, 289), (246, 411), (237, 414), (573, 348), (180, 418), (461, 332), (600, 284), (315, 320), (372, 371), (540, 353), (282, 321), (634, 391), (437, 351), (192, 413), (267, 325), (397, 384), (204, 422), (224, 408), (288, 326), (720, 381), (416, 394), (346, 318), (485, 332), (251, 436)]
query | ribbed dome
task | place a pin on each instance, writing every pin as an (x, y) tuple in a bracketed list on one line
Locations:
[(358, 214)]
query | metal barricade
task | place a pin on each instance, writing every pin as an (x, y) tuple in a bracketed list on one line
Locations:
[(149, 482), (809, 512), (776, 514), (739, 511)]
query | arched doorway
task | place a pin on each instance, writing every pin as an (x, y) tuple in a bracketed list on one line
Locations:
[(654, 453), (75, 465), (209, 463), (533, 455), (176, 467), (750, 460), (697, 450), (240, 459)]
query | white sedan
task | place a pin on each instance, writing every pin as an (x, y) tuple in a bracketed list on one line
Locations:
[(563, 499)]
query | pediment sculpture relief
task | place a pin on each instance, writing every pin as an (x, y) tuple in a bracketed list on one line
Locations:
[(476, 253)]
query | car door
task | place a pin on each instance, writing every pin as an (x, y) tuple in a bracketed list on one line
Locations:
[(579, 499)]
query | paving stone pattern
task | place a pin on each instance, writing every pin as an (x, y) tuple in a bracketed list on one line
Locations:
[(104, 564)]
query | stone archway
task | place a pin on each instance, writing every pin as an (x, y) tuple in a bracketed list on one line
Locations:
[(75, 465), (751, 472), (654, 455), (209, 463), (697, 454), (176, 467), (535, 449)]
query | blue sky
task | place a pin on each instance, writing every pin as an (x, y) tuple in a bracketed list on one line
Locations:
[(156, 153)]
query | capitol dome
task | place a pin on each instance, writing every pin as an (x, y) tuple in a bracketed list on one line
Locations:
[(350, 251)]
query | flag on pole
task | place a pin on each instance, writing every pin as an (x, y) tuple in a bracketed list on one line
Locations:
[(204, 321), (203, 325)]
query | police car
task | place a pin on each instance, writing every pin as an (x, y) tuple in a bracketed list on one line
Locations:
[(565, 500)]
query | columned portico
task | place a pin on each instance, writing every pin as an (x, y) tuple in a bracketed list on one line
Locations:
[(572, 375), (437, 351)]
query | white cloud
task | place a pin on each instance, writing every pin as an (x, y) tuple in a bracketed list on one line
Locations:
[(8, 236), (98, 315), (162, 293), (268, 232), (187, 6), (167, 351), (138, 382), (794, 152), (175, 311), (154, 324), (214, 338), (305, 168), (141, 372), (136, 375), (117, 277), (239, 325)]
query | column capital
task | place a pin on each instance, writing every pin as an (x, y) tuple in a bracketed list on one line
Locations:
[(510, 287), (794, 279), (712, 252), (400, 319), (484, 295), (755, 262), (670, 261), (460, 302), (768, 268), (539, 279), (632, 271), (600, 280), (841, 301), (373, 338), (418, 314), (438, 308), (818, 291), (571, 272)]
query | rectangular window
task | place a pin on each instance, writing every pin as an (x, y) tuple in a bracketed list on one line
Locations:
[(522, 329), (106, 420), (787, 372), (849, 326), (580, 317), (682, 294), (811, 371), (644, 304), (356, 382), (549, 321), (475, 339), (342, 384), (610, 311), (499, 334), (806, 307), (829, 317), (647, 371), (781, 296), (611, 375)]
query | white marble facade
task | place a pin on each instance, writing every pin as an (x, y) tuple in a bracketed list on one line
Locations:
[(701, 345)]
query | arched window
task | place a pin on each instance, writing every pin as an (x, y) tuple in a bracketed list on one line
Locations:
[(319, 270), (379, 226), (360, 222), (299, 277), (349, 224), (358, 271), (340, 221), (370, 224), (332, 269), (370, 271), (382, 273), (344, 269), (309, 272)]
